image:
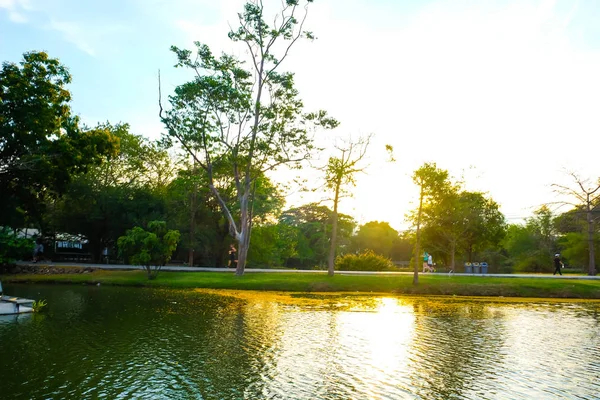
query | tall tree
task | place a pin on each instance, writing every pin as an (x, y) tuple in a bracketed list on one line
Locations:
[(340, 174), (252, 119), (41, 142), (431, 181), (586, 198), (445, 223)]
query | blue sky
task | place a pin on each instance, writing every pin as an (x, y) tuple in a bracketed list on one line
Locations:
[(503, 92)]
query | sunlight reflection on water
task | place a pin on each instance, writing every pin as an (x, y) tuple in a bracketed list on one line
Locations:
[(154, 344)]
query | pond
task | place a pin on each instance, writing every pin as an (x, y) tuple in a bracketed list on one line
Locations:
[(136, 343)]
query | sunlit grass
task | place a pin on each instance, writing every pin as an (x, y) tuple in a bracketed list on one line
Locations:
[(294, 282)]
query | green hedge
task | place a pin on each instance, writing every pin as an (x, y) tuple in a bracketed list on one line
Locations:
[(366, 261)]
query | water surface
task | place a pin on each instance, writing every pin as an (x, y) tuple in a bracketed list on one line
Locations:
[(134, 343)]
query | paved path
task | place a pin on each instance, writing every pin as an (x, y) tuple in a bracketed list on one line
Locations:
[(120, 267)]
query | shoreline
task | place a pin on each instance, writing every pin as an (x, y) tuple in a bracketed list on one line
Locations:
[(429, 284)]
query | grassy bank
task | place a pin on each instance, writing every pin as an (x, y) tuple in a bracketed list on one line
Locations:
[(294, 282)]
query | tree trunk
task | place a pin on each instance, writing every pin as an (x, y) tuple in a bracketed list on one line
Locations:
[(418, 241), (334, 222), (192, 226), (242, 236), (592, 253), (452, 255)]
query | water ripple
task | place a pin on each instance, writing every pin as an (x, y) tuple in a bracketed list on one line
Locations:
[(117, 343)]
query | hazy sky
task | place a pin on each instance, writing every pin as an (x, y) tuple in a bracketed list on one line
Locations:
[(506, 93)]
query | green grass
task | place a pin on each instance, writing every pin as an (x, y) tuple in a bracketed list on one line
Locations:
[(306, 282)]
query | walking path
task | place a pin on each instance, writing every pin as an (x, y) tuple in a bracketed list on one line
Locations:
[(173, 268)]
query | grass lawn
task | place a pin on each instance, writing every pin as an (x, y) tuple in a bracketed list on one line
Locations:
[(295, 282)]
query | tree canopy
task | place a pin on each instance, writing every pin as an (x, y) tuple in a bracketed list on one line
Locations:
[(41, 142)]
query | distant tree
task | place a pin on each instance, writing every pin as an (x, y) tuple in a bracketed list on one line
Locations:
[(444, 222), (340, 174), (485, 225), (530, 247), (376, 236), (151, 248), (41, 142), (251, 119), (313, 226), (431, 181), (585, 198)]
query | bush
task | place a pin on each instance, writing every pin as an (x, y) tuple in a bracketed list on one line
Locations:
[(13, 248), (150, 248), (366, 261)]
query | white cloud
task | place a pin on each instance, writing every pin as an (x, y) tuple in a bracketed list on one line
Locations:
[(16, 9), (73, 33)]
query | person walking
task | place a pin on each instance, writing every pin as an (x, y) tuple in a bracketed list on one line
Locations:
[(558, 264), (38, 250), (430, 263), (425, 262), (232, 256)]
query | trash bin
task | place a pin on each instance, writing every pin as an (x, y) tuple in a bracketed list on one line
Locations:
[(476, 268), (484, 267), (468, 268)]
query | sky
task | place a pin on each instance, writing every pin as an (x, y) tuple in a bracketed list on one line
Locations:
[(503, 94)]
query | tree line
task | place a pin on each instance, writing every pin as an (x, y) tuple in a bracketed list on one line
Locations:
[(227, 129)]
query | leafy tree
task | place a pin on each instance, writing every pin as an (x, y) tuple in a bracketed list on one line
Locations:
[(445, 223), (402, 246), (376, 236), (340, 174), (124, 191), (251, 119), (585, 199), (313, 232), (486, 225), (531, 246), (150, 248), (272, 245), (41, 143), (195, 211), (431, 181), (456, 220)]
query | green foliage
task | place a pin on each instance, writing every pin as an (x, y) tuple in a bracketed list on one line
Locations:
[(150, 248), (312, 227), (376, 236), (245, 114), (126, 190), (12, 247), (39, 306), (456, 222), (272, 245), (531, 247), (365, 261), (575, 250), (41, 143)]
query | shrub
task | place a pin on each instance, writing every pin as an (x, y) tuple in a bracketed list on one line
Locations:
[(366, 261), (13, 247), (150, 248)]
